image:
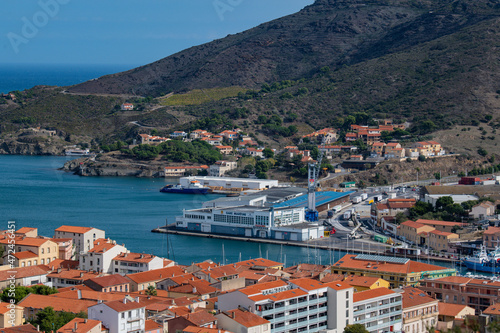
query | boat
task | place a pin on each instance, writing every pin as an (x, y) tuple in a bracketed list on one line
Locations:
[(194, 187), (483, 261), (77, 152)]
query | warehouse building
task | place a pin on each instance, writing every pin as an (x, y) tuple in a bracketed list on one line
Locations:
[(230, 183)]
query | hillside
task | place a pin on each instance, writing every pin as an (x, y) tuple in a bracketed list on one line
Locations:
[(327, 33)]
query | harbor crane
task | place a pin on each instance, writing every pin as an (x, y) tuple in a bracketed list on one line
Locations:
[(313, 170)]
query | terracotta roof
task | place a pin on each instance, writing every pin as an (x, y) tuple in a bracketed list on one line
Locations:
[(412, 224), (338, 285), (73, 274), (452, 310), (258, 288), (60, 263), (27, 328), (415, 297), (22, 272), (371, 293), (73, 229), (332, 277), (156, 274), (200, 317), (221, 271), (361, 281), (259, 262), (151, 325), (251, 275), (307, 284), (442, 233), (492, 309), (82, 326), (25, 255), (24, 230), (89, 295), (246, 318), (108, 280), (199, 287), (442, 223), (196, 329), (491, 231), (121, 305), (102, 247), (282, 295), (25, 241), (58, 303), (452, 279), (5, 307)]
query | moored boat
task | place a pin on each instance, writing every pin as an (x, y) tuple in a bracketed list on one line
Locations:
[(484, 262), (194, 187)]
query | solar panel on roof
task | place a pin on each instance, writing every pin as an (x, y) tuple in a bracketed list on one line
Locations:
[(423, 295), (371, 257)]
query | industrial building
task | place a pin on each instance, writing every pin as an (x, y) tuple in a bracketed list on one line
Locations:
[(230, 183), (324, 200), (251, 221)]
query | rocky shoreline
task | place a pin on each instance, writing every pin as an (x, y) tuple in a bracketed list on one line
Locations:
[(14, 147)]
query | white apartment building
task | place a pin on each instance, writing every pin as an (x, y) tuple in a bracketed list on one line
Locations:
[(420, 311), (220, 168), (122, 316), (83, 237), (128, 263), (379, 310), (100, 257), (300, 305)]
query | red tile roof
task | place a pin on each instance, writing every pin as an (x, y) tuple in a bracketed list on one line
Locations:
[(82, 326), (442, 223), (25, 255), (124, 304), (58, 303), (259, 262), (453, 310), (221, 271), (246, 318), (27, 328), (73, 229), (307, 284), (200, 317), (151, 325), (89, 295), (493, 309), (415, 297), (60, 263), (361, 281), (371, 293), (73, 274), (22, 272), (453, 279), (280, 296), (25, 230), (108, 280), (338, 285), (258, 288), (156, 274), (5, 307)]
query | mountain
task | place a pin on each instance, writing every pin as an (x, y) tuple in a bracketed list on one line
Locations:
[(332, 33)]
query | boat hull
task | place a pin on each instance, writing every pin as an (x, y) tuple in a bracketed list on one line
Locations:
[(475, 266), (185, 190)]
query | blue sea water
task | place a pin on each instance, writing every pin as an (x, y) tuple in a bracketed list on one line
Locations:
[(25, 76)]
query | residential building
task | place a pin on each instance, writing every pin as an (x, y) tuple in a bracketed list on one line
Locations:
[(225, 150), (69, 277), (29, 251), (81, 325), (27, 232), (442, 225), (260, 264), (394, 150), (178, 135), (242, 321), (420, 312), (83, 238), (25, 276), (330, 150), (479, 294), (414, 232), (11, 315), (450, 314), (295, 306), (483, 210), (196, 134), (183, 170), (229, 135), (198, 318), (65, 247), (362, 283), (129, 263), (220, 168), (219, 273), (141, 281), (457, 198), (34, 303), (254, 152), (378, 310), (491, 238), (440, 240), (493, 312), (100, 257), (123, 316), (127, 107), (399, 272), (147, 139), (429, 148), (391, 208), (216, 140), (27, 328), (108, 283)]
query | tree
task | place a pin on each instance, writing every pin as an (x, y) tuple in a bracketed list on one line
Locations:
[(401, 217), (151, 291), (494, 326), (268, 153), (50, 320), (437, 175), (481, 151), (421, 158), (443, 202), (355, 328)]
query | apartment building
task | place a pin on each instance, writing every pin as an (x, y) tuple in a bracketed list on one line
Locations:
[(298, 305), (399, 272), (479, 294), (242, 321), (100, 257), (141, 281), (491, 238), (29, 251), (390, 208), (81, 325), (420, 311), (10, 315), (69, 277), (123, 316), (378, 310), (130, 263), (83, 238), (108, 283)]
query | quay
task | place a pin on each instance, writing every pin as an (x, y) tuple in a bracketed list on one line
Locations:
[(316, 244)]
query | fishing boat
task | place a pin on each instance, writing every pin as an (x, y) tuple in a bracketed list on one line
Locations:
[(194, 187), (483, 261)]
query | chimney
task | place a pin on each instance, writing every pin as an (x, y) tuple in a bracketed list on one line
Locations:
[(141, 256), (85, 320), (233, 314), (76, 326), (79, 293), (81, 274), (137, 299), (38, 328), (125, 300), (59, 270)]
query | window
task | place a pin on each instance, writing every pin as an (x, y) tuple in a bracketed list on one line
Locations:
[(42, 261), (48, 250), (42, 250)]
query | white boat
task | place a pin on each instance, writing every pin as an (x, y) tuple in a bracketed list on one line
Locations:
[(77, 152)]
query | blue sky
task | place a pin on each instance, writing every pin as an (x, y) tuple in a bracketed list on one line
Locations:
[(124, 31)]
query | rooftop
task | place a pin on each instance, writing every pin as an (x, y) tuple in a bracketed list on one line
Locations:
[(453, 310), (79, 325), (321, 198), (415, 297), (108, 280), (73, 229), (371, 293), (155, 274), (246, 318), (59, 304), (126, 304), (136, 257)]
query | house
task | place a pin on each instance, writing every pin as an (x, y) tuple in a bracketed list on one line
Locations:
[(491, 238), (482, 210), (225, 150), (394, 150), (399, 272), (242, 321), (10, 315), (121, 316), (65, 247), (362, 283), (323, 136), (255, 152), (196, 134), (220, 168), (391, 208), (414, 232), (198, 318), (182, 170), (29, 251), (429, 148), (25, 276), (329, 150), (129, 263), (147, 139), (216, 140), (100, 257), (387, 314), (229, 135), (419, 310), (178, 135), (83, 238), (219, 273), (33, 303), (451, 315), (27, 232), (81, 325), (69, 277), (141, 281), (440, 240), (108, 283), (127, 107), (442, 225)]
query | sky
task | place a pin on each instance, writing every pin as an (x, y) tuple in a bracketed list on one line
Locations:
[(124, 31)]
